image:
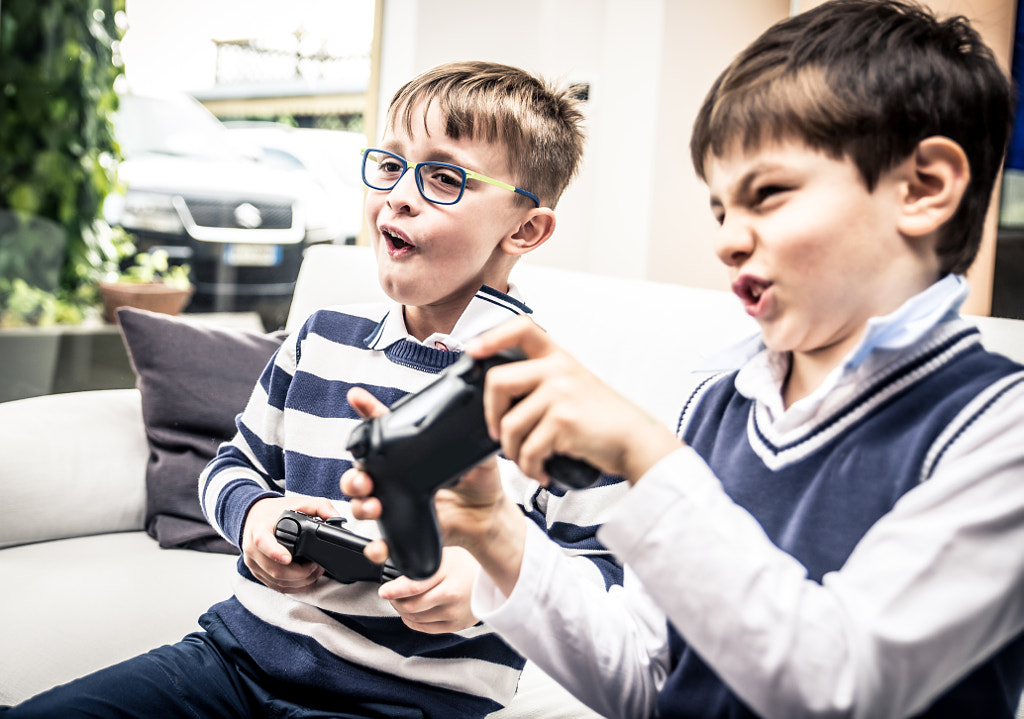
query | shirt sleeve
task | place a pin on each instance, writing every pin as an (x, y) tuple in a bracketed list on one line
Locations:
[(250, 467), (931, 590), (571, 518), (608, 647)]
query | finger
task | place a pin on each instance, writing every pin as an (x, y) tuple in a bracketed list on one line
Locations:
[(405, 588), (319, 507), (503, 388), (376, 551), (369, 508), (356, 483), (365, 403), (520, 332), (294, 577), (547, 438), (266, 544), (520, 421)]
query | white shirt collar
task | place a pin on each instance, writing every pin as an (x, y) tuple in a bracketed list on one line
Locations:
[(764, 372), (487, 309)]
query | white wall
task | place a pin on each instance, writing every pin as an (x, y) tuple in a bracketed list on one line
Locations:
[(636, 210)]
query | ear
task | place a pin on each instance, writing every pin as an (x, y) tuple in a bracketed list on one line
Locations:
[(533, 231), (937, 175)]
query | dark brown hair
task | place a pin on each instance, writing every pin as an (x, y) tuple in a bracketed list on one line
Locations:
[(539, 126), (869, 80)]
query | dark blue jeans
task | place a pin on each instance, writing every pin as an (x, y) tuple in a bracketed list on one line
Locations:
[(204, 675)]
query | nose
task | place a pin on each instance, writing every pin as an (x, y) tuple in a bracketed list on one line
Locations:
[(405, 194), (734, 242)]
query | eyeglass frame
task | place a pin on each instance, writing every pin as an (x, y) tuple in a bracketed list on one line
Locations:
[(463, 172)]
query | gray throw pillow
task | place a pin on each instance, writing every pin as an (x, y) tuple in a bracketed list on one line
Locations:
[(194, 379)]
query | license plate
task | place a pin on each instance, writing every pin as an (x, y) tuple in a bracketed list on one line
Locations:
[(252, 255)]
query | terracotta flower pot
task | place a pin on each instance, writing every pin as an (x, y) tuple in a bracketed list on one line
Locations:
[(155, 297)]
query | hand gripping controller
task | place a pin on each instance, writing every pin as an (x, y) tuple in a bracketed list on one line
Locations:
[(336, 549), (427, 441)]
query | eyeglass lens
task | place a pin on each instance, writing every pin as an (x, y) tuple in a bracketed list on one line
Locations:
[(437, 182)]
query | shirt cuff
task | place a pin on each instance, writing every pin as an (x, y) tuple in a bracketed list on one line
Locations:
[(490, 605)]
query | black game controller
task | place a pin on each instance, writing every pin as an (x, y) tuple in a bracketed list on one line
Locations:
[(427, 441), (338, 550)]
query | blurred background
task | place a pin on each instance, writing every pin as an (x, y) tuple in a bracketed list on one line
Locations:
[(223, 136)]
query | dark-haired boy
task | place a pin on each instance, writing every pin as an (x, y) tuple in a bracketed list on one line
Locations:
[(840, 530)]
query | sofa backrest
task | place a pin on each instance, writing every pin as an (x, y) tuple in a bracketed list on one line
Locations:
[(333, 275), (642, 337)]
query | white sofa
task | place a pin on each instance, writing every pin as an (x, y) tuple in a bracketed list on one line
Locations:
[(83, 586)]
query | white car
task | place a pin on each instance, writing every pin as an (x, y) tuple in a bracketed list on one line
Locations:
[(330, 156)]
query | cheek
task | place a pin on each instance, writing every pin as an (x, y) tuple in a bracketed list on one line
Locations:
[(372, 205)]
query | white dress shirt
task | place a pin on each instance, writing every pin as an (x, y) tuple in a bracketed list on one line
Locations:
[(934, 587)]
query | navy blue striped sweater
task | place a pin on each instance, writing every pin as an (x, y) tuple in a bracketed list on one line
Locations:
[(342, 640)]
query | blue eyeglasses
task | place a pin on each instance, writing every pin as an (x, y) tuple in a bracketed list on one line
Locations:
[(439, 182)]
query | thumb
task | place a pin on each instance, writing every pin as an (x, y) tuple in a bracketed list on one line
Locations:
[(318, 507), (365, 403), (403, 587)]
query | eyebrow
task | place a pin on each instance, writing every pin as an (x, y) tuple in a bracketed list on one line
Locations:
[(742, 187), (440, 156)]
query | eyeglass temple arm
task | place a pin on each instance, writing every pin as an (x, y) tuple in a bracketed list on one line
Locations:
[(505, 185)]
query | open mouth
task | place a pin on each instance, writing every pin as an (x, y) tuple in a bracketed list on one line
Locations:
[(396, 243), (750, 289)]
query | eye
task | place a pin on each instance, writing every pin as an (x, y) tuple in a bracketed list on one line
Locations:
[(389, 165), (445, 176), (445, 181), (718, 212), (766, 192)]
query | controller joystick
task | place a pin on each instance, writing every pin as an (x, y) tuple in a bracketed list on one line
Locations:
[(426, 442)]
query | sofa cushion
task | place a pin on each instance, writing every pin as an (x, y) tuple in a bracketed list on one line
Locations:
[(194, 379), (73, 464), (94, 601)]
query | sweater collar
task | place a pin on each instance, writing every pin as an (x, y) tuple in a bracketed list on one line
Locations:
[(487, 309)]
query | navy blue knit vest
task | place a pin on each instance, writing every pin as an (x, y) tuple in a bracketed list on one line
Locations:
[(819, 503)]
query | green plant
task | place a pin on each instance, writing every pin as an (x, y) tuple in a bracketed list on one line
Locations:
[(58, 65), (149, 267), (24, 305)]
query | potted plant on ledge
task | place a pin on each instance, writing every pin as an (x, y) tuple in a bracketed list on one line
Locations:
[(150, 283)]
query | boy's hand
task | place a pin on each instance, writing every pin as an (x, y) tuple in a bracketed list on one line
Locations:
[(551, 404), (263, 554), (462, 511), (440, 603), (475, 514)]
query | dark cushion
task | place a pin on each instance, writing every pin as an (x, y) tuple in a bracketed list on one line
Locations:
[(194, 379)]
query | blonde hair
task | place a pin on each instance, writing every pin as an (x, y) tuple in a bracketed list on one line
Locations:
[(539, 125)]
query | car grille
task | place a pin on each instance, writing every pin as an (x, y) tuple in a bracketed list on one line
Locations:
[(222, 213)]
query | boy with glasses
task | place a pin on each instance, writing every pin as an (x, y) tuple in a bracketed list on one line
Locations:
[(447, 226), (838, 529)]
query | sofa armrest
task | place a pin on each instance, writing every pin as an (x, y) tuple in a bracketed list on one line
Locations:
[(74, 464)]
